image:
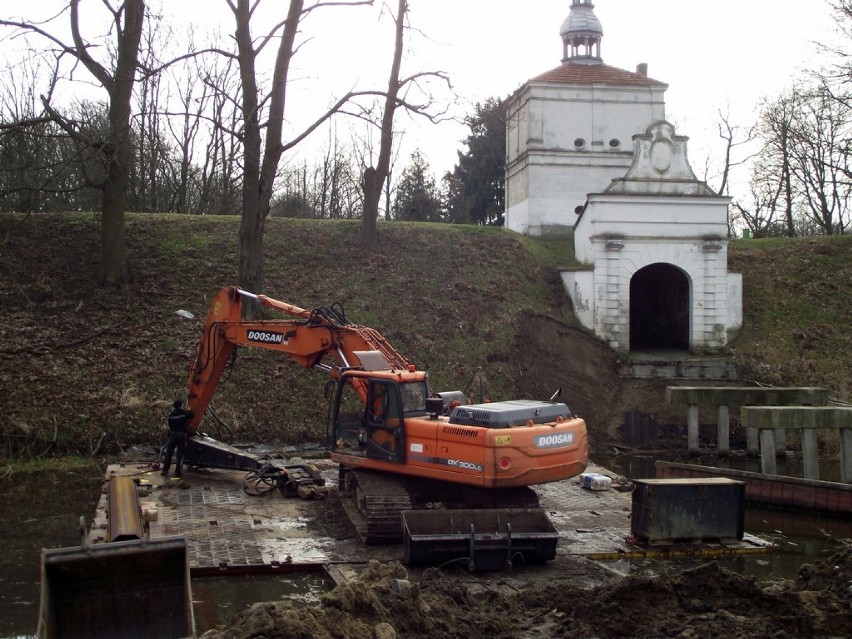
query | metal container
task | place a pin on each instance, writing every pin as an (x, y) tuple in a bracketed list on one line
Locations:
[(688, 510)]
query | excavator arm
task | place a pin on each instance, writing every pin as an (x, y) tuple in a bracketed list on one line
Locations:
[(307, 337)]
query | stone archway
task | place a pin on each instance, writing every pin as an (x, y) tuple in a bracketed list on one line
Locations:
[(659, 309)]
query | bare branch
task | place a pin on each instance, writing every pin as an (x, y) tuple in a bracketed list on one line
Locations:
[(82, 53)]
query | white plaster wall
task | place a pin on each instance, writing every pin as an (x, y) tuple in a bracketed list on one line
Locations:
[(621, 234), (580, 286), (545, 167), (706, 271), (735, 303), (546, 188), (598, 113), (648, 217)]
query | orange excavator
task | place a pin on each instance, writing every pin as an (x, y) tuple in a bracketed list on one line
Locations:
[(399, 445)]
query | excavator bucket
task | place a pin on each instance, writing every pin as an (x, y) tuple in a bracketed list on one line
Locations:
[(123, 589), (483, 539)]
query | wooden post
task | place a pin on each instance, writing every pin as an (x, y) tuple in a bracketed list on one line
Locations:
[(846, 456), (692, 429), (723, 445), (810, 454), (767, 452)]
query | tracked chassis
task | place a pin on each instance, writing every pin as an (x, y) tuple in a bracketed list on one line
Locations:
[(374, 501)]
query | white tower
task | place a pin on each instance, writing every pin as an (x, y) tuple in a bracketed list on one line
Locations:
[(569, 130)]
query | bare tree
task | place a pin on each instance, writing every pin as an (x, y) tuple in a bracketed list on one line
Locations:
[(777, 130), (374, 177), (260, 161), (148, 190), (734, 137), (29, 178), (759, 215), (395, 97), (841, 70), (116, 75), (822, 128), (220, 170), (328, 189)]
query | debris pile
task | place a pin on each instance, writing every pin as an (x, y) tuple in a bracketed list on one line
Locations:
[(384, 603)]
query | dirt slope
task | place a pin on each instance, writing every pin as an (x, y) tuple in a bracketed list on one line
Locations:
[(90, 371)]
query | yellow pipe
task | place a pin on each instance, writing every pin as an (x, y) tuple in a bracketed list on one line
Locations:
[(671, 553), (125, 514)]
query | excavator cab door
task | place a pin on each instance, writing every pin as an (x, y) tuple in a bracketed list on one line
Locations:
[(348, 417), (384, 427)]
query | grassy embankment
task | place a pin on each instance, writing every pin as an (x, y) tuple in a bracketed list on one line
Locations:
[(87, 371), (797, 308)]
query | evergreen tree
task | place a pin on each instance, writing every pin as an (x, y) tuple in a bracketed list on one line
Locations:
[(417, 198), (474, 192)]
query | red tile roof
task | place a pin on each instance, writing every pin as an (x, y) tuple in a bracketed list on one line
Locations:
[(572, 73)]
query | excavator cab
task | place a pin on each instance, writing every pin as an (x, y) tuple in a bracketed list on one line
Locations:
[(376, 426)]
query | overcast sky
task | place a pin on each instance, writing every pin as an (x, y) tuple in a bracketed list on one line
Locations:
[(724, 54), (719, 54)]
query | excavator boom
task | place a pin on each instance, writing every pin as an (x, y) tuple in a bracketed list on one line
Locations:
[(306, 337)]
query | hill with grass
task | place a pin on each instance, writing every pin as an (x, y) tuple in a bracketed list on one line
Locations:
[(92, 371)]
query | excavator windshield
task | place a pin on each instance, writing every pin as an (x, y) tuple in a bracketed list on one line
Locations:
[(414, 396)]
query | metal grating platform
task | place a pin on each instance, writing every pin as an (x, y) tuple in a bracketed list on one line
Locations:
[(226, 529), (213, 520)]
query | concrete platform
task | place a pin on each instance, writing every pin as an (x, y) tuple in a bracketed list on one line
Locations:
[(227, 530)]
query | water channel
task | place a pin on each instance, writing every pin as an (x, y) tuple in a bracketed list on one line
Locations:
[(799, 538), (42, 510)]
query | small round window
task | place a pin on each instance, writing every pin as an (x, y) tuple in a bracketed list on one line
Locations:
[(579, 143), (614, 144)]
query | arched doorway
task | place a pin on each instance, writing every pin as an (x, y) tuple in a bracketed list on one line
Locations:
[(659, 308)]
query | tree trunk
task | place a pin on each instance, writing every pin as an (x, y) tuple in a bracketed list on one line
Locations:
[(374, 179), (251, 244), (369, 223), (259, 172), (114, 268)]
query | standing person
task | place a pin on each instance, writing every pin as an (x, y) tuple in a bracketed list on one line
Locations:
[(178, 432)]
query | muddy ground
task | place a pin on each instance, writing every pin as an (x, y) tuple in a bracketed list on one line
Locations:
[(388, 601), (707, 601)]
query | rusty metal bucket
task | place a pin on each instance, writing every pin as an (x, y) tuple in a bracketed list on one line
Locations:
[(131, 587), (124, 589)]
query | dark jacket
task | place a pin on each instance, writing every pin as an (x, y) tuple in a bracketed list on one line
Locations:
[(179, 420)]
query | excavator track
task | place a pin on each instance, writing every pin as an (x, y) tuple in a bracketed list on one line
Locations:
[(374, 501)]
